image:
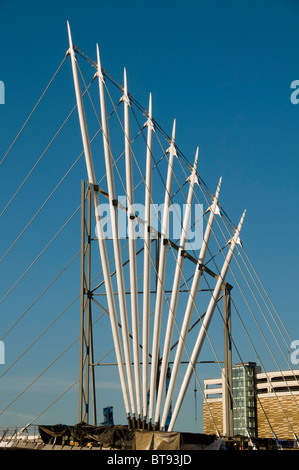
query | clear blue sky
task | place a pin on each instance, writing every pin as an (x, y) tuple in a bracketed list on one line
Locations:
[(223, 70)]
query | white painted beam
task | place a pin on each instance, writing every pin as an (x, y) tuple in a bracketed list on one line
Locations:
[(147, 262), (101, 241), (205, 325), (161, 278), (115, 234), (132, 246), (175, 291), (190, 307)]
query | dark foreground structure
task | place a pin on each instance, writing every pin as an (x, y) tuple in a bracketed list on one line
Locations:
[(119, 438)]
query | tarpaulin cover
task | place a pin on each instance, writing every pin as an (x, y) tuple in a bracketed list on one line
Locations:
[(122, 437), (157, 440), (113, 436)]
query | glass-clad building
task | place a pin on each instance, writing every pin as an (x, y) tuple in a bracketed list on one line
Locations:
[(262, 402), (244, 403)]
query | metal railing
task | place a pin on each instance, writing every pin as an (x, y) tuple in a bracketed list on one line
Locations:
[(28, 434)]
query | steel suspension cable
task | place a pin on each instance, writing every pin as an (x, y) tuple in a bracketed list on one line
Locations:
[(58, 357), (37, 258), (195, 305), (254, 298), (39, 297), (266, 342), (54, 321), (241, 291), (37, 162), (51, 194), (61, 395), (32, 112), (266, 293), (59, 273)]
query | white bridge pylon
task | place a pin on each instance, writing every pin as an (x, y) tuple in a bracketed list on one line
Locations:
[(143, 388)]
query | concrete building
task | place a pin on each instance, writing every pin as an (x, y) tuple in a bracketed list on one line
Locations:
[(264, 404)]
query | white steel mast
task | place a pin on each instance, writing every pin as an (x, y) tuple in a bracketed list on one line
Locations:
[(205, 326), (161, 277), (101, 241), (132, 246), (175, 291), (115, 234), (147, 261), (190, 307)]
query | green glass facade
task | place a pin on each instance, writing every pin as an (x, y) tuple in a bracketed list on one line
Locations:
[(244, 404)]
